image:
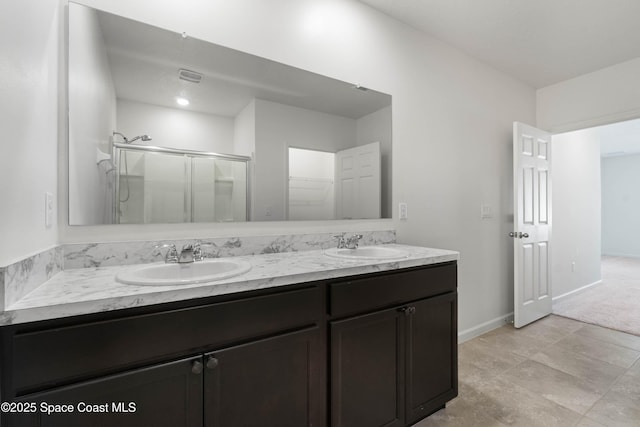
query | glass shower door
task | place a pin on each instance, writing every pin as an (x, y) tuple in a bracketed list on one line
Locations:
[(203, 189), (165, 188)]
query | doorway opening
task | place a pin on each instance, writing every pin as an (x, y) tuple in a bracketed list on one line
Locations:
[(311, 184), (596, 230)]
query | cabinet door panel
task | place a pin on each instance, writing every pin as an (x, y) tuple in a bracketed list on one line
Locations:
[(272, 382), (163, 395), (83, 350), (367, 370), (432, 361)]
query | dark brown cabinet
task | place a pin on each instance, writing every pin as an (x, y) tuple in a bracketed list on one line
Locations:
[(236, 386), (431, 355), (273, 382), (367, 370), (270, 382), (395, 366), (372, 350), (169, 394)]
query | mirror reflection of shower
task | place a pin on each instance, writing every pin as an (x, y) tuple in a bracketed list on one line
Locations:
[(144, 138), (169, 185)]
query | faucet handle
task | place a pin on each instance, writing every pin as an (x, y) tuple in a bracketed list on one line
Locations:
[(198, 253), (172, 252), (341, 240), (352, 242)]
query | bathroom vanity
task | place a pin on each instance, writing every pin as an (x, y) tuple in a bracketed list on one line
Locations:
[(350, 343)]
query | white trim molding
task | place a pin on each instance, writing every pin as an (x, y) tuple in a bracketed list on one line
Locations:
[(485, 327), (576, 291)]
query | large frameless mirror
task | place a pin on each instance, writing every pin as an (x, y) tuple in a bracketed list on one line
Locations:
[(166, 128)]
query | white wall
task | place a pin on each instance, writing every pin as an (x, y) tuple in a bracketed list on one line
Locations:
[(576, 211), (377, 127), (621, 205), (452, 119), (244, 131), (278, 127), (29, 40), (92, 104), (605, 96), (175, 128)]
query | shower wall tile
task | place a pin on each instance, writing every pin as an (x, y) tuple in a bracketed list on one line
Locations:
[(20, 278), (126, 253)]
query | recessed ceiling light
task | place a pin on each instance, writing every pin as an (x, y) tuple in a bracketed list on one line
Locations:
[(182, 101)]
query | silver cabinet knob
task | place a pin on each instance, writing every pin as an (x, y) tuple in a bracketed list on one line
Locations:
[(212, 362), (197, 367)]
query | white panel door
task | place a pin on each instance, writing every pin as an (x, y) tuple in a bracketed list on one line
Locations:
[(358, 182), (532, 223)]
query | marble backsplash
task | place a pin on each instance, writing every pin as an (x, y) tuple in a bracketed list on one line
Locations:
[(20, 278), (126, 253)]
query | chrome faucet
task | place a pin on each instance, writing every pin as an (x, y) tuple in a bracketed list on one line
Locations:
[(352, 242), (342, 243), (348, 242), (188, 254), (171, 255)]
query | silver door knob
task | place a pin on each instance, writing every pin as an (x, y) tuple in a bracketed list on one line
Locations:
[(523, 235), (512, 234)]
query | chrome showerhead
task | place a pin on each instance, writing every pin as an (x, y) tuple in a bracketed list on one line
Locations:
[(144, 138)]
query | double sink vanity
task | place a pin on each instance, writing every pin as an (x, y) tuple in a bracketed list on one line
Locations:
[(340, 337), (263, 330)]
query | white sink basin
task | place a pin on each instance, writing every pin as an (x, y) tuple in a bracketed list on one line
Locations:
[(367, 253), (184, 274)]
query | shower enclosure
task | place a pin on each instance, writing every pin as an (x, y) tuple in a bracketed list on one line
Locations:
[(165, 185)]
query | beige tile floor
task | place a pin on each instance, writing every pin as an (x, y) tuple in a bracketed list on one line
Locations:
[(554, 372)]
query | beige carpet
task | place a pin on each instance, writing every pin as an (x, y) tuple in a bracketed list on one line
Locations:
[(613, 304)]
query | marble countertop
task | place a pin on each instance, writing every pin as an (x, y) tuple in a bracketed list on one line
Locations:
[(92, 290)]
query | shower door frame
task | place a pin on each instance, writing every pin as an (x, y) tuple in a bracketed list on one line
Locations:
[(116, 150)]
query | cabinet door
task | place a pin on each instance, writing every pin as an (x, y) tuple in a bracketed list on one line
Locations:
[(432, 356), (272, 382), (367, 370), (162, 395)]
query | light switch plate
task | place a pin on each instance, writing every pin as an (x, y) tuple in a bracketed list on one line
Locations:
[(402, 210)]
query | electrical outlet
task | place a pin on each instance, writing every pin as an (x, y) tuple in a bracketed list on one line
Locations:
[(486, 211), (402, 210), (48, 209)]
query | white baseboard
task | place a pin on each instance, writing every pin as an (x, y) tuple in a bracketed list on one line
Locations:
[(576, 291), (482, 328), (616, 254)]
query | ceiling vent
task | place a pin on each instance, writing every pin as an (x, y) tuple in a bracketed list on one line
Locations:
[(190, 76)]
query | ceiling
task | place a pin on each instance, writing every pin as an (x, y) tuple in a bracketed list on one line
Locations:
[(540, 42), (144, 63)]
